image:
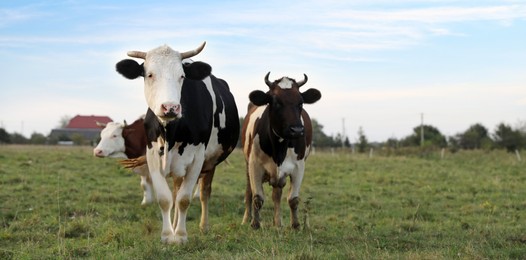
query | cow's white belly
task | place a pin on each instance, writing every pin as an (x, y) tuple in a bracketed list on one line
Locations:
[(178, 163)]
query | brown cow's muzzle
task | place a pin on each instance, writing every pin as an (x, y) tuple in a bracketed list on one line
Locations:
[(295, 131)]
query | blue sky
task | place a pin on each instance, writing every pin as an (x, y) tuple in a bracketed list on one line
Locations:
[(379, 64)]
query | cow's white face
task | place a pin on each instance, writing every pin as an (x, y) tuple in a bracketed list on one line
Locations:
[(111, 142), (163, 80)]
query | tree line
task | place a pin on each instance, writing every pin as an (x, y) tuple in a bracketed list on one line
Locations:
[(476, 136)]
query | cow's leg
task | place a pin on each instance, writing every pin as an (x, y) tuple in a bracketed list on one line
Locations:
[(276, 198), (248, 200), (184, 195), (177, 185), (147, 188), (162, 192), (205, 188), (146, 184), (256, 183), (293, 198)]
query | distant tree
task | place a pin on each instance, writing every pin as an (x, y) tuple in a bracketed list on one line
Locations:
[(432, 137), (37, 138), (319, 138), (521, 126), (508, 138), (5, 138), (64, 121), (392, 143), (78, 139), (454, 143), (476, 137), (17, 138), (347, 143), (362, 143)]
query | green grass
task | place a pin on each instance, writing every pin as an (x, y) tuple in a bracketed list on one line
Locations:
[(61, 203)]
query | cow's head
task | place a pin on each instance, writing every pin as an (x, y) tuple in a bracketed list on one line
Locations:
[(111, 141), (285, 105), (163, 78)]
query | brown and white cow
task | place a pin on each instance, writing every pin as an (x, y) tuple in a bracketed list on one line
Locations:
[(276, 136), (128, 142)]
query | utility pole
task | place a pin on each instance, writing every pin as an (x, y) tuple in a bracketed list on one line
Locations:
[(422, 130)]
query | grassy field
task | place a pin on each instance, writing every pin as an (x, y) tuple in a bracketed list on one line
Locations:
[(61, 203)]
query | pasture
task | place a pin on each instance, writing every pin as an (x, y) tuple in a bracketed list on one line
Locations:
[(62, 203)]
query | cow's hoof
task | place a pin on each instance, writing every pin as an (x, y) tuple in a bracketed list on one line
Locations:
[(168, 239), (204, 229), (181, 240), (296, 226), (255, 225)]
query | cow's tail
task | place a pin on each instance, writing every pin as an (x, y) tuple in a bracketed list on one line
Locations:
[(133, 163)]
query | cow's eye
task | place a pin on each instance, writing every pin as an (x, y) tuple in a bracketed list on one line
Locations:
[(150, 75), (114, 136)]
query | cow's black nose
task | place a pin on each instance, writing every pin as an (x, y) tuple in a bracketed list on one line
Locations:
[(297, 130)]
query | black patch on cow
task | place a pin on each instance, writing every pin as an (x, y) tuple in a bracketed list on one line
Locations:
[(197, 70), (130, 69), (153, 128), (269, 142)]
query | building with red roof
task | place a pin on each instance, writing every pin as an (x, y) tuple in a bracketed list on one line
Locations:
[(87, 122), (80, 130)]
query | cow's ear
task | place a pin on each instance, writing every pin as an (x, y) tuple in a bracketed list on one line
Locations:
[(259, 98), (311, 95), (197, 70), (130, 69)]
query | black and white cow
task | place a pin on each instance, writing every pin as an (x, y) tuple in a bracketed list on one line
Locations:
[(191, 126), (276, 136)]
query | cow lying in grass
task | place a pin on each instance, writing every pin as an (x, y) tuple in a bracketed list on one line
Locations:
[(276, 136)]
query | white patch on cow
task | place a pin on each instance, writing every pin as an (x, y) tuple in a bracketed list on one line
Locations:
[(289, 165), (222, 117), (250, 126), (111, 142), (285, 83)]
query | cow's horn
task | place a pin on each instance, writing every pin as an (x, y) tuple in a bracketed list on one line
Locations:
[(301, 83), (99, 124), (137, 54), (192, 53), (269, 84)]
